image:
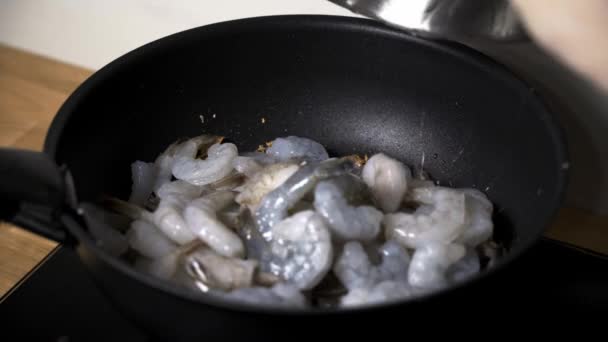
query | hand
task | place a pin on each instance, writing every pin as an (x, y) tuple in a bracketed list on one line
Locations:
[(576, 32)]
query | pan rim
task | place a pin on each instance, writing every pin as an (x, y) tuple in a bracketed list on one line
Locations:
[(360, 25)]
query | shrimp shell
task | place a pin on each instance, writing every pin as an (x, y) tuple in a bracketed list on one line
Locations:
[(263, 182), (222, 272)]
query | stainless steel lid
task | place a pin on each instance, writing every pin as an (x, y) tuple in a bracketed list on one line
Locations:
[(456, 20)]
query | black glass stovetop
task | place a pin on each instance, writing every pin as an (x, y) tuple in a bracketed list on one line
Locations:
[(59, 302)]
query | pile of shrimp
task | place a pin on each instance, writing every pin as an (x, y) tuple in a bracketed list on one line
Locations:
[(288, 225)]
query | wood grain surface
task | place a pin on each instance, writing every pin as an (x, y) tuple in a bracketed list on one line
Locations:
[(32, 89)]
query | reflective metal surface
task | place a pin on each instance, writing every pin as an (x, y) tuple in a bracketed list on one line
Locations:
[(449, 19)]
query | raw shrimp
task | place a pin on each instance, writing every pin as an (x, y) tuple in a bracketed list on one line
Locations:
[(354, 190), (255, 245), (464, 268), (431, 262), (220, 272), (266, 227), (479, 219), (443, 224), (169, 218), (183, 220), (247, 166), (143, 176), (261, 158), (275, 205), (148, 240), (200, 172), (280, 294), (380, 293), (388, 180), (165, 162), (263, 182), (180, 189), (201, 218), (355, 270), (301, 249), (170, 266), (290, 148), (345, 221)]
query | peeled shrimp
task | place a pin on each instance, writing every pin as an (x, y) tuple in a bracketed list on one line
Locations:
[(441, 223), (263, 182), (200, 172), (187, 149), (170, 266), (301, 249), (201, 218), (388, 180), (431, 262), (479, 225), (280, 294), (255, 245), (183, 220), (380, 293), (169, 218), (148, 240), (345, 221), (247, 166), (143, 176), (181, 189), (275, 205), (290, 148), (355, 270), (266, 227)]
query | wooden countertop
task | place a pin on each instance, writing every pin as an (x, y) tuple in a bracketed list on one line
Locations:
[(32, 89)]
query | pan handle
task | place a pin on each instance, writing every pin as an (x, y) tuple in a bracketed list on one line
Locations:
[(32, 192)]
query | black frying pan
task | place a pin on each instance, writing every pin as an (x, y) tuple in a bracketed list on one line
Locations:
[(352, 84)]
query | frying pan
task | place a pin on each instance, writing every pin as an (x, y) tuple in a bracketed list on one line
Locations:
[(352, 84)]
